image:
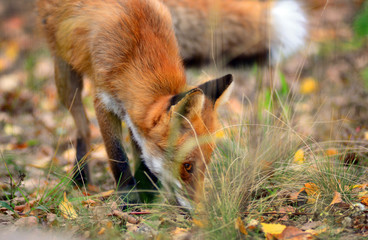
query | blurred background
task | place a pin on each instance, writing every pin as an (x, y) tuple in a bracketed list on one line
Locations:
[(320, 93)]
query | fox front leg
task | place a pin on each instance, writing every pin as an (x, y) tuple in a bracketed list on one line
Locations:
[(111, 130)]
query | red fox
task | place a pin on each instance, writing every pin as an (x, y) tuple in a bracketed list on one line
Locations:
[(225, 31), (129, 50)]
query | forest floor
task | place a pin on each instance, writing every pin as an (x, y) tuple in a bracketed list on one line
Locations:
[(292, 158)]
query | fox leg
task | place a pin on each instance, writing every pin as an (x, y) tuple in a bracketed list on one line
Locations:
[(146, 180), (69, 85), (111, 130)]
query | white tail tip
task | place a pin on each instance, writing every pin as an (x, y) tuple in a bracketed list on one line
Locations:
[(289, 29)]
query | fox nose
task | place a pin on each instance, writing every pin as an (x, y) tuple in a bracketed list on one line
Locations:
[(183, 202)]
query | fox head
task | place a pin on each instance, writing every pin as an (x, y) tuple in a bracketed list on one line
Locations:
[(177, 140)]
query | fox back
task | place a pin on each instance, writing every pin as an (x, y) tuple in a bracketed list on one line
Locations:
[(129, 50)]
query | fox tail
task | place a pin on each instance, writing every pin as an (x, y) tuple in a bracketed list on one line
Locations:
[(289, 28)]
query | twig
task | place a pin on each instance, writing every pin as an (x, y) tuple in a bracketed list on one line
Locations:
[(281, 213)]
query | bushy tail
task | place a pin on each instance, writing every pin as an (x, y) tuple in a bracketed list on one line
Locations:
[(289, 28)]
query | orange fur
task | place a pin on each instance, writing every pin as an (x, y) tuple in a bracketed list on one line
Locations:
[(128, 48)]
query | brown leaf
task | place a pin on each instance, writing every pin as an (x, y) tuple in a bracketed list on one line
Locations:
[(311, 225), (293, 233), (18, 146), (337, 198), (239, 225), (93, 188), (125, 216), (27, 209), (89, 203)]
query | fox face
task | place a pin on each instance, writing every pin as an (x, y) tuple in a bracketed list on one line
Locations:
[(177, 141)]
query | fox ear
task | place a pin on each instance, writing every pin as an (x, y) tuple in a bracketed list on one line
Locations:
[(218, 90), (187, 104)]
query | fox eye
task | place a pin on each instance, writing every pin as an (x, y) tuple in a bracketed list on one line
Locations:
[(188, 167)]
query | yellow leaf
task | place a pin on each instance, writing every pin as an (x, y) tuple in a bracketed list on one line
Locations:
[(366, 135), (299, 156), (365, 200), (239, 225), (272, 229), (362, 194), (198, 223), (12, 51), (337, 198), (312, 191), (308, 85), (107, 193), (102, 231), (220, 134), (361, 186), (178, 232), (331, 152), (67, 209)]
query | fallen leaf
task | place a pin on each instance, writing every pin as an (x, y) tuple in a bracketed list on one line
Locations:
[(311, 225), (67, 209), (27, 209), (106, 194), (337, 198), (361, 186), (308, 85), (220, 134), (69, 155), (366, 135), (18, 146), (252, 224), (89, 203), (102, 231), (125, 216), (178, 233), (272, 229), (299, 156), (198, 223), (293, 233), (239, 225), (331, 152), (316, 232), (43, 163), (28, 205), (3, 186), (312, 192), (364, 200), (362, 195)]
